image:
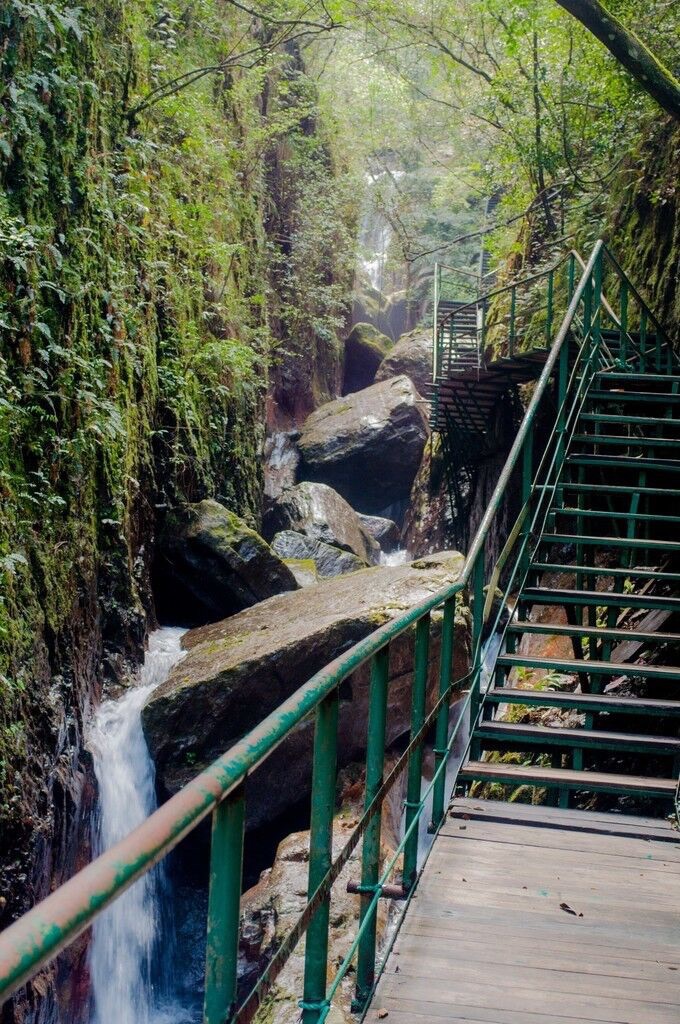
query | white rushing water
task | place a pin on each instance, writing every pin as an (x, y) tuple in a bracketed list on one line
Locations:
[(398, 557), (125, 989)]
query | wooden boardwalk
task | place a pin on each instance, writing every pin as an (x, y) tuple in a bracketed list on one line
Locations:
[(534, 915)]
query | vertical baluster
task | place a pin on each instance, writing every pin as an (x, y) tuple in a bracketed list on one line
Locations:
[(477, 626), (224, 903), (320, 855), (623, 329), (562, 384), (571, 276), (597, 308), (513, 311), (481, 335), (549, 315), (435, 324), (370, 858), (527, 480), (643, 339), (415, 761), (442, 731)]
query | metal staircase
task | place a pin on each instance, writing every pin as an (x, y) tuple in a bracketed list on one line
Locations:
[(600, 576)]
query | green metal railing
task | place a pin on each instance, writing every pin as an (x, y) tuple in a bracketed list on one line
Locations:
[(37, 937), (520, 316)]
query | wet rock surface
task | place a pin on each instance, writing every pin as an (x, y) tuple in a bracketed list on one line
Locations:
[(365, 350), (211, 564), (327, 560), (367, 445), (385, 531), (412, 356), (320, 513), (239, 670)]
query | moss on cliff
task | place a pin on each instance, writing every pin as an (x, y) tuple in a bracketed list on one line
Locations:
[(135, 298)]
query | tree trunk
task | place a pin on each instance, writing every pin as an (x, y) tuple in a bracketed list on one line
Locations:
[(630, 51)]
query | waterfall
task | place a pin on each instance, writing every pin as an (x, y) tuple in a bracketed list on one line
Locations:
[(126, 988), (400, 556)]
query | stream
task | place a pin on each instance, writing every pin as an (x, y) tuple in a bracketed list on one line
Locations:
[(129, 985)]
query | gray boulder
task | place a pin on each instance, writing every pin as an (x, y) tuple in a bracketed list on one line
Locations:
[(211, 564), (237, 671), (365, 349), (320, 513), (385, 531), (412, 355), (327, 560), (368, 445)]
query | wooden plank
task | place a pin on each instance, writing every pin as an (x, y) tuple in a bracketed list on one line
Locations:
[(454, 990), (601, 820)]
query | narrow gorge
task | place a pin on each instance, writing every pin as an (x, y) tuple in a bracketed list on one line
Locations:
[(241, 248)]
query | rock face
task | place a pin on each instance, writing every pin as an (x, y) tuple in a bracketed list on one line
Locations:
[(412, 356), (365, 350), (385, 531), (211, 564), (237, 671), (368, 445), (428, 519), (328, 560), (320, 513)]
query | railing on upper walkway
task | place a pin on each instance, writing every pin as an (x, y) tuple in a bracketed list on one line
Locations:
[(519, 317), (37, 937)]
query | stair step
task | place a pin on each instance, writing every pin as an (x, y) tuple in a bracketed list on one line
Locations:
[(595, 632), (627, 440), (511, 732), (615, 573), (651, 378), (638, 421), (582, 701), (610, 542), (574, 666), (561, 778), (603, 598), (625, 462), (615, 489), (633, 396), (603, 513)]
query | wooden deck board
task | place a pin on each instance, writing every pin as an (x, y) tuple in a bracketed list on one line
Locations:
[(485, 939)]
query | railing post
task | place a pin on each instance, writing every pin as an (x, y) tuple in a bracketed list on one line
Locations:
[(442, 729), (320, 855), (643, 339), (527, 480), (370, 854), (549, 313), (415, 761), (562, 384), (513, 312), (571, 277), (436, 363), (596, 311), (623, 318), (224, 908), (477, 627)]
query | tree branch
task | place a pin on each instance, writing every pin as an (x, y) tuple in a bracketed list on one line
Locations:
[(657, 81)]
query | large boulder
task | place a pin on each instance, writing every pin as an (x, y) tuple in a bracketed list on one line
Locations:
[(210, 564), (385, 531), (368, 445), (365, 350), (320, 513), (412, 355), (238, 671), (328, 560)]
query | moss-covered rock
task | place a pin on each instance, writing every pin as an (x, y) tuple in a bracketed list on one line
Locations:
[(412, 355), (327, 559), (365, 349), (238, 671), (209, 564)]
